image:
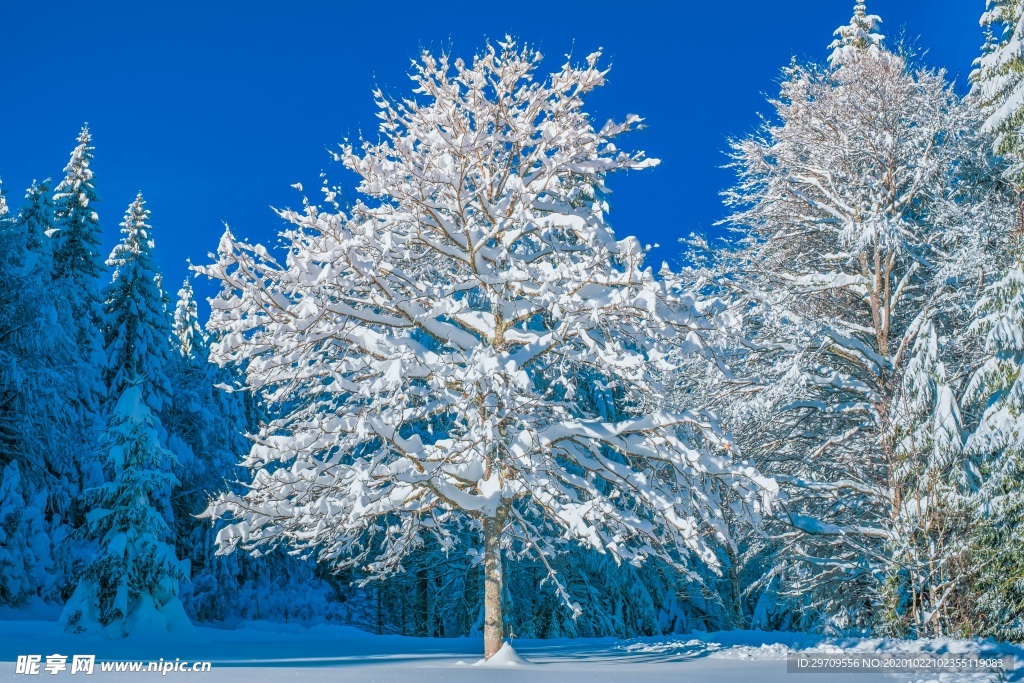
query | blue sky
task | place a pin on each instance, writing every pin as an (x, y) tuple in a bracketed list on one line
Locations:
[(213, 109)]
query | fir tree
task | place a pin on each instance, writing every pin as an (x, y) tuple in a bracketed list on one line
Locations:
[(929, 571), (137, 329), (38, 225), (997, 448), (998, 78), (857, 38), (76, 264), (77, 267), (25, 543), (132, 583), (10, 375), (187, 330), (38, 417)]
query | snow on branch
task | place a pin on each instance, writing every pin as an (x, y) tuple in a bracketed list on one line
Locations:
[(430, 351)]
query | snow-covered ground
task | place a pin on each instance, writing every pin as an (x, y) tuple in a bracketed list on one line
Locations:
[(257, 653)]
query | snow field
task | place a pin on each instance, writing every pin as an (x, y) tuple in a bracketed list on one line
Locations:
[(258, 652)]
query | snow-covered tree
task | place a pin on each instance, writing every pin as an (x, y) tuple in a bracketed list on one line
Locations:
[(866, 208), (998, 77), (10, 377), (206, 432), (931, 534), (75, 292), (38, 421), (857, 38), (38, 223), (423, 355), (137, 328), (25, 544), (77, 266), (186, 328), (997, 447), (195, 415), (132, 583)]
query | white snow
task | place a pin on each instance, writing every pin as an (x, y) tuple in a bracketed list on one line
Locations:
[(257, 652), (506, 656)]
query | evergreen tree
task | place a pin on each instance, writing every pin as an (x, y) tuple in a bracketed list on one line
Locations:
[(187, 330), (205, 434), (929, 571), (857, 38), (207, 427), (997, 447), (132, 583), (10, 375), (38, 225), (137, 329), (25, 543), (76, 264), (998, 78), (77, 267), (37, 411)]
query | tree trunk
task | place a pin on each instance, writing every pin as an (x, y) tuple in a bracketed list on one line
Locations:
[(423, 626), (493, 582)]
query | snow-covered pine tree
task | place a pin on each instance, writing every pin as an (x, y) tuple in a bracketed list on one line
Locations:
[(37, 413), (422, 355), (930, 569), (186, 328), (137, 328), (998, 78), (38, 224), (193, 423), (77, 267), (11, 247), (48, 345), (10, 373), (863, 221), (996, 391), (190, 415), (132, 583), (25, 542), (859, 37)]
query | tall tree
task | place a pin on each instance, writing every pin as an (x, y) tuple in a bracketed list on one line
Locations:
[(37, 412), (929, 573), (77, 267), (10, 375), (998, 78), (996, 391), (424, 355), (864, 207)]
